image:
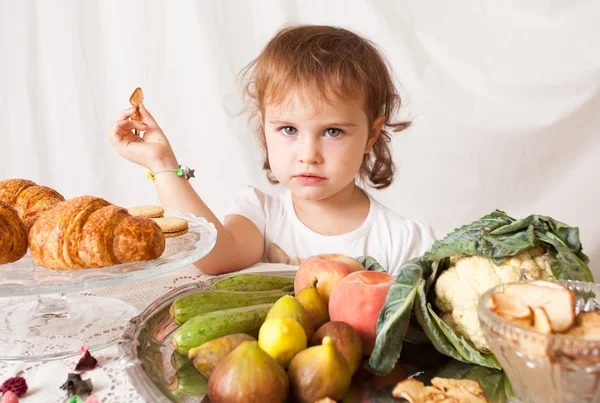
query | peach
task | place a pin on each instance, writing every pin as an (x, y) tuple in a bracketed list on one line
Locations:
[(328, 269), (357, 300)]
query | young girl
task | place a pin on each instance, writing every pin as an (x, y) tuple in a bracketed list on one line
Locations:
[(326, 101)]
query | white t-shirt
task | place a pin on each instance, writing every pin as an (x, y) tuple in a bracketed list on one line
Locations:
[(388, 237)]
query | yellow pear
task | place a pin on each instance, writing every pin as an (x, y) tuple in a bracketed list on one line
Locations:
[(282, 339), (314, 304), (289, 307)]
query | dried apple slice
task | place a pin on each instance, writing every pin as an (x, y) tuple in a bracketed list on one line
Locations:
[(527, 323), (541, 322), (558, 302), (550, 284), (586, 327), (462, 390), (136, 99), (509, 307), (443, 390), (415, 391)]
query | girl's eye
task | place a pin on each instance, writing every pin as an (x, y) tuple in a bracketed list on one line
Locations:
[(288, 130), (333, 132)]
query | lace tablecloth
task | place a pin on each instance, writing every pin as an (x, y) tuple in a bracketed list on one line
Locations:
[(111, 384)]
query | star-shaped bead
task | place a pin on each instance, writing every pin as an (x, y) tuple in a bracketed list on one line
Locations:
[(190, 174)]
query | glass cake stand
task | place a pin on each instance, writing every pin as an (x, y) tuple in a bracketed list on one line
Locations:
[(54, 326)]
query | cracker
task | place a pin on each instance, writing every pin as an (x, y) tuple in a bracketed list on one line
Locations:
[(146, 211), (171, 224)]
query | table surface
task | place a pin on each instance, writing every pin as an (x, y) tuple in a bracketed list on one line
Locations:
[(111, 384)]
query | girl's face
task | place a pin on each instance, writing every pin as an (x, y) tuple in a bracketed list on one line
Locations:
[(317, 151)]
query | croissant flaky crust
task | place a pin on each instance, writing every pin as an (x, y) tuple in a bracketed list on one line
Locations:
[(13, 235), (29, 199), (89, 232)]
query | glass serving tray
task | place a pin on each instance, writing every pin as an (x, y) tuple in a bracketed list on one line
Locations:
[(25, 278), (147, 360)]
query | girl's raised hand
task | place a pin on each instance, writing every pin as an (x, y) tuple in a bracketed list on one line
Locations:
[(152, 150)]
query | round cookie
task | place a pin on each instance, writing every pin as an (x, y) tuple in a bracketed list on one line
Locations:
[(175, 234), (172, 226), (146, 211)]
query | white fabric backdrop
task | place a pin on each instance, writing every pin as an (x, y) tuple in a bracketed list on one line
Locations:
[(505, 98)]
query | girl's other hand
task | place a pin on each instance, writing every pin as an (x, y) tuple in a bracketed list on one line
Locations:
[(152, 150)]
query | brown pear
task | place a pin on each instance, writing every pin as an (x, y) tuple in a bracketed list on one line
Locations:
[(346, 339), (314, 304), (319, 372), (249, 374), (208, 355)]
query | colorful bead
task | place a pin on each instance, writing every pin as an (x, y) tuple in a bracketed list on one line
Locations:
[(182, 171)]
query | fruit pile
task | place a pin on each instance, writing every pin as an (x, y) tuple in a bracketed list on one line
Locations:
[(250, 338)]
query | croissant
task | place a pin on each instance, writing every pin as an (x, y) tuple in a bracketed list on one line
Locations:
[(89, 232), (13, 236), (29, 199)]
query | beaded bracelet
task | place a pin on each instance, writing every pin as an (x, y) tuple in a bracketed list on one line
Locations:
[(181, 171)]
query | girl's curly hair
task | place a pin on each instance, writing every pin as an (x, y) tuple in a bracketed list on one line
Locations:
[(340, 64)]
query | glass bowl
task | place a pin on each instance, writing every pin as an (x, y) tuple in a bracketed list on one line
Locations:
[(546, 367)]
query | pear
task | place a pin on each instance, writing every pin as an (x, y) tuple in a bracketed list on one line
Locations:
[(282, 339), (249, 375), (319, 372), (289, 307), (346, 339), (314, 304), (208, 355)]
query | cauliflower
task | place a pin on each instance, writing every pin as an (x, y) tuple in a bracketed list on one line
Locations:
[(459, 288), (458, 269)]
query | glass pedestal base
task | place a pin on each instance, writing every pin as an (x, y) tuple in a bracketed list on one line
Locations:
[(52, 328)]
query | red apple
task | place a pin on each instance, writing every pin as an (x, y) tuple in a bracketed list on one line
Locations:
[(357, 300), (328, 269)]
